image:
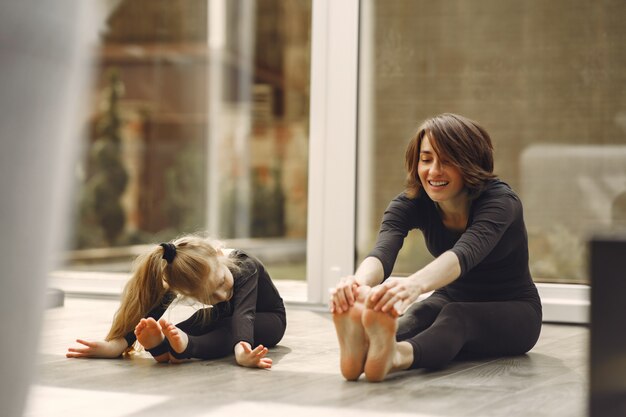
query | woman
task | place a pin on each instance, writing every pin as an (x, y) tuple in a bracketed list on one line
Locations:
[(484, 301), (246, 307)]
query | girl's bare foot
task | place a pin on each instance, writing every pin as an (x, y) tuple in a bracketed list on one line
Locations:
[(177, 338), (149, 334), (380, 329)]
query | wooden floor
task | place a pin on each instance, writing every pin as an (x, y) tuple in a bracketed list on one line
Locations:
[(549, 381)]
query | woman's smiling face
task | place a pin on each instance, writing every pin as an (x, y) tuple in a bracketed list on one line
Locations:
[(442, 181)]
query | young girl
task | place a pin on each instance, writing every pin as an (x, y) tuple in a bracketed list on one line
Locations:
[(247, 314), (484, 300)]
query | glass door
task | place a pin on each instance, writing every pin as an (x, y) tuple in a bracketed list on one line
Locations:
[(198, 123)]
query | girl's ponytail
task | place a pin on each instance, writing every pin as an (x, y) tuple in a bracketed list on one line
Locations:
[(141, 294)]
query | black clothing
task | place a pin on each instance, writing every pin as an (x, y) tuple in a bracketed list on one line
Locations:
[(494, 300), (440, 329), (254, 314)]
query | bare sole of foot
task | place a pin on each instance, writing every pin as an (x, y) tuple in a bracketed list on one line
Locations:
[(380, 329), (353, 343), (177, 338), (149, 335)]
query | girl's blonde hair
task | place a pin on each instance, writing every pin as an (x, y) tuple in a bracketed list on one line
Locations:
[(191, 274)]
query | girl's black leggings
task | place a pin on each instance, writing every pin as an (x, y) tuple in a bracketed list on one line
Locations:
[(213, 339), (440, 329)]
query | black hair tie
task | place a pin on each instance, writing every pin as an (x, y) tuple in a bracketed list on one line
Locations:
[(169, 251)]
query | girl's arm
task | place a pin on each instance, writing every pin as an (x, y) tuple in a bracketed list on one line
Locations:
[(244, 300), (396, 294), (98, 349)]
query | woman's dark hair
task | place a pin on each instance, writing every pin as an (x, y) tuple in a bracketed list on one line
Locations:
[(461, 141)]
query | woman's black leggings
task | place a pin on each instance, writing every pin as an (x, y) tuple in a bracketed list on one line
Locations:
[(440, 329), (211, 339)]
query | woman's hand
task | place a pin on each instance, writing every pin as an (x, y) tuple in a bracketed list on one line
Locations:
[(342, 297), (99, 349), (394, 295), (252, 358)]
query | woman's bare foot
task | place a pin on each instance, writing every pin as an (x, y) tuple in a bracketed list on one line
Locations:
[(149, 334), (353, 343), (177, 338), (380, 329)]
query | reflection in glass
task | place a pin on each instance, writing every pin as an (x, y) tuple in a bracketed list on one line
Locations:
[(198, 122)]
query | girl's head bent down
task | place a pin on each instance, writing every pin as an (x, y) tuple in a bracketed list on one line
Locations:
[(459, 142), (198, 269)]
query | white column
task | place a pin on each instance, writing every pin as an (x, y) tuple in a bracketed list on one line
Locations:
[(332, 150), (216, 43)]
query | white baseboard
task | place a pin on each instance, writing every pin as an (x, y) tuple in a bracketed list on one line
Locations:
[(565, 303)]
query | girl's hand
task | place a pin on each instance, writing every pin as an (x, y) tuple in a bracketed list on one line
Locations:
[(342, 297), (393, 296), (99, 349), (252, 358)]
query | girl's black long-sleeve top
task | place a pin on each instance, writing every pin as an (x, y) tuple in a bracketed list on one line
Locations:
[(253, 291)]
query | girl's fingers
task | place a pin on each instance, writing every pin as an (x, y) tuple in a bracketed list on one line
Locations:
[(265, 363), (80, 350), (258, 350), (86, 343), (245, 346)]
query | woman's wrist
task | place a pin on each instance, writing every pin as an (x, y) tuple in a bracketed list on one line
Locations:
[(415, 284), (368, 281)]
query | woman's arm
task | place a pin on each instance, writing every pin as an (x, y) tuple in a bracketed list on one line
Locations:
[(370, 272), (399, 217), (398, 293), (99, 349)]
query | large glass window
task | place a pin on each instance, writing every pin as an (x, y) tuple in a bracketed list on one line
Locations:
[(544, 78), (198, 122)]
